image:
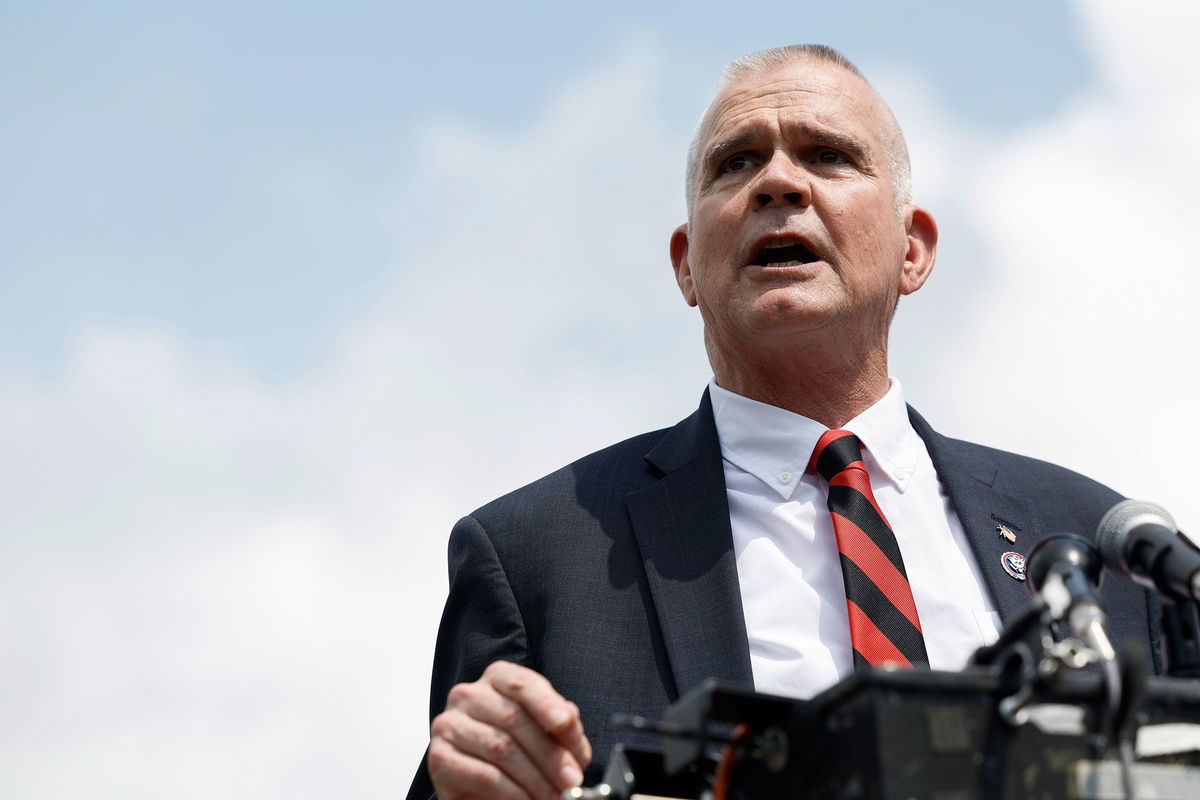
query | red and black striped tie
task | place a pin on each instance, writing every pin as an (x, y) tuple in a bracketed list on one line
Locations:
[(884, 626)]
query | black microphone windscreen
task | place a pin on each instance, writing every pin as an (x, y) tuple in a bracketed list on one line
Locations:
[(1115, 526)]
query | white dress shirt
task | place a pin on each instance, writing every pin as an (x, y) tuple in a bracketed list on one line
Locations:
[(787, 557)]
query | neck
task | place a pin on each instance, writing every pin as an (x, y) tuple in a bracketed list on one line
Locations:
[(817, 383)]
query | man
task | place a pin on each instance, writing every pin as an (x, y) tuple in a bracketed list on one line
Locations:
[(623, 580)]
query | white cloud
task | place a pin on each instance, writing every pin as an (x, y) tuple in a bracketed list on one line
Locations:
[(1081, 348), (213, 584)]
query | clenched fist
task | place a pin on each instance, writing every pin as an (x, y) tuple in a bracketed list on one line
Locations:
[(507, 735)]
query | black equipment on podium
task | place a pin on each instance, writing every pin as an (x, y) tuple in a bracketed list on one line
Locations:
[(1048, 711)]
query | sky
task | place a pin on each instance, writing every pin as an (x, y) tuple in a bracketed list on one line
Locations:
[(286, 290)]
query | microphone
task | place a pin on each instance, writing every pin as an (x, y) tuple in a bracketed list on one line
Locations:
[(1065, 571), (1140, 541)]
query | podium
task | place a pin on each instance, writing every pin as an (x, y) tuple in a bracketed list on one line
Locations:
[(904, 734)]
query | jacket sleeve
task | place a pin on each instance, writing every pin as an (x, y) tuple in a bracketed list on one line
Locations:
[(481, 623)]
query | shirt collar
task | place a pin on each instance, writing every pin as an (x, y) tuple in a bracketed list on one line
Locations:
[(774, 444)]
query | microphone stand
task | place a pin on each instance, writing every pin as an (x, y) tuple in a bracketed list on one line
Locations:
[(1181, 629)]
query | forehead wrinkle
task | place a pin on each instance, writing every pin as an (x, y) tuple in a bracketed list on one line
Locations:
[(819, 80)]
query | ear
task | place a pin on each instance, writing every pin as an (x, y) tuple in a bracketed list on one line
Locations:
[(922, 248), (679, 260)]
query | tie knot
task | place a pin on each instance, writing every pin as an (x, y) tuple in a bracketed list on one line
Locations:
[(835, 451)]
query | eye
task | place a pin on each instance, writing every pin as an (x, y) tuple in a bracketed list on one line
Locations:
[(827, 155), (737, 163)]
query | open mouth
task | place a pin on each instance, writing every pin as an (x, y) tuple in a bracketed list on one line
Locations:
[(787, 253)]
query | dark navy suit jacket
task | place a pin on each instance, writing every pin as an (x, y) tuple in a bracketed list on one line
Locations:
[(615, 576)]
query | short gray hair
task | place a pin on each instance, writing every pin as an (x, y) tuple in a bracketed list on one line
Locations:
[(764, 60)]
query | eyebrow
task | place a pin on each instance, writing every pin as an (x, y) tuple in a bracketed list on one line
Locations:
[(719, 150), (804, 130)]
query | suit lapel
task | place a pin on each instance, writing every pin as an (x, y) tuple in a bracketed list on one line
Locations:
[(682, 527), (970, 481)]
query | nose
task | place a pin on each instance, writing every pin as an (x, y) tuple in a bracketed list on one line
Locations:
[(781, 183)]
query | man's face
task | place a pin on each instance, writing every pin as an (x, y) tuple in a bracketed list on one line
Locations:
[(794, 224)]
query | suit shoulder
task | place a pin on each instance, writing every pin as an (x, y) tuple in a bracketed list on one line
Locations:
[(1005, 470), (1015, 461), (607, 474), (1042, 481)]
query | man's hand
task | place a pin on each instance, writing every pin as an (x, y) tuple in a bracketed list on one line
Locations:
[(507, 735)]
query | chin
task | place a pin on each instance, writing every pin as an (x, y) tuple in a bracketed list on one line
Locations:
[(787, 307)]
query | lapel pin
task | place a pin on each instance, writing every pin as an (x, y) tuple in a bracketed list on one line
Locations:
[(1006, 533), (1014, 565)]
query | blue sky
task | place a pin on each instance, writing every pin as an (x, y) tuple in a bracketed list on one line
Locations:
[(221, 168), (285, 290)]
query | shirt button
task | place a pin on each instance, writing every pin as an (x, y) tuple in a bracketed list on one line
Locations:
[(899, 474), (785, 477)]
